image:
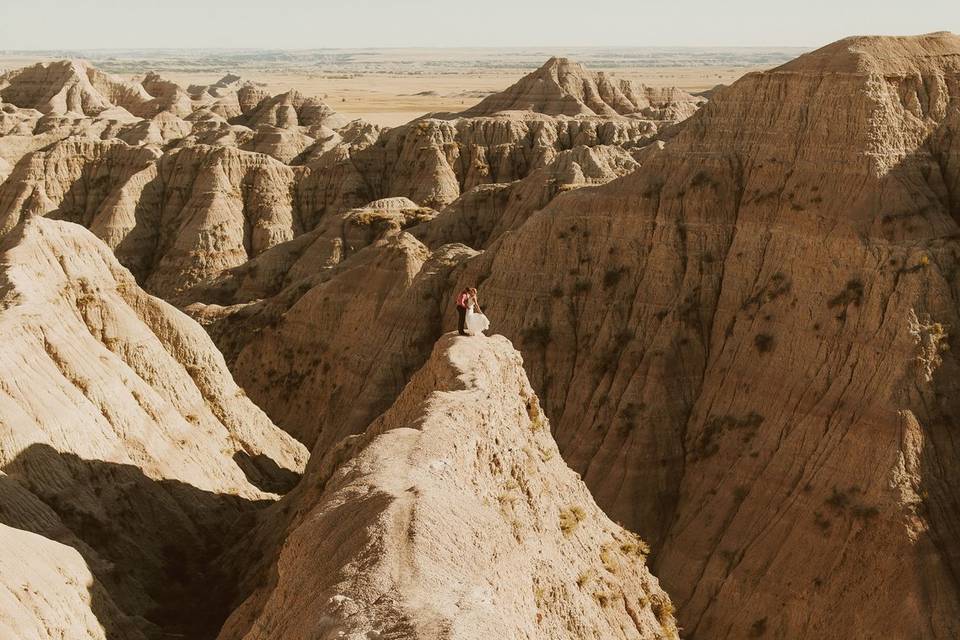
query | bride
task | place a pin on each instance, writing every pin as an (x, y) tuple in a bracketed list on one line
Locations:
[(476, 322)]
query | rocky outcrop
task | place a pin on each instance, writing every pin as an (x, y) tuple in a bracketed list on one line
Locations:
[(173, 220), (740, 326), (744, 345), (123, 436), (290, 321), (69, 86), (73, 179), (465, 448), (292, 109), (307, 257), (50, 592), (486, 212), (347, 341), (433, 161), (562, 87), (160, 173)]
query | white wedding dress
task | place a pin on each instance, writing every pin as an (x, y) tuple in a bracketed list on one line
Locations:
[(476, 322)]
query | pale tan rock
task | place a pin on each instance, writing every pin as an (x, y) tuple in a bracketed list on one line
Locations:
[(433, 161), (122, 435), (73, 86), (70, 179), (182, 220), (309, 281), (292, 109), (342, 350), (50, 592), (334, 240), (563, 87), (284, 144), (168, 96), (160, 130), (23, 131), (454, 517), (486, 212)]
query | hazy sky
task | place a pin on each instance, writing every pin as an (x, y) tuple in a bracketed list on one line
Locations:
[(298, 24)]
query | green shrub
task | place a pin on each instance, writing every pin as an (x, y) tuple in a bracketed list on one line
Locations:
[(612, 277), (865, 512), (838, 499), (852, 294), (537, 335), (701, 179), (763, 342)]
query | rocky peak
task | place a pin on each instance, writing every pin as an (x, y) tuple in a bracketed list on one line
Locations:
[(473, 526), (884, 55), (564, 87)]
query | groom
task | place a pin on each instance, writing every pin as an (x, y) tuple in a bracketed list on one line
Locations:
[(462, 300)]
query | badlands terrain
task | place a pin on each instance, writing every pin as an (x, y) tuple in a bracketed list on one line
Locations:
[(390, 87), (718, 399)]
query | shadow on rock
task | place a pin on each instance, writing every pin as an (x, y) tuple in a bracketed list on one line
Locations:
[(151, 545)]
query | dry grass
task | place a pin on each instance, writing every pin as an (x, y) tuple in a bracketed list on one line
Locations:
[(604, 598), (608, 559), (585, 577), (662, 608), (535, 413), (636, 548), (570, 519)]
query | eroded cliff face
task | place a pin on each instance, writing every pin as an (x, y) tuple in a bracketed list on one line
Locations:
[(744, 345), (323, 331), (132, 463), (483, 214), (740, 331), (564, 87), (453, 516), (187, 184), (433, 161), (123, 436)]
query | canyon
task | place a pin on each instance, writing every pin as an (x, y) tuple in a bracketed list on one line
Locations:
[(718, 403)]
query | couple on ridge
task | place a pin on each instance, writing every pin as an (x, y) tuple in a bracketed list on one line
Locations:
[(470, 317)]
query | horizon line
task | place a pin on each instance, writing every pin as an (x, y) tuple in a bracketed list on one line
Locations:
[(410, 47)]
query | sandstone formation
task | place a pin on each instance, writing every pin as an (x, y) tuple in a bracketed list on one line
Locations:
[(50, 592), (70, 86), (307, 257), (739, 324), (82, 145), (323, 331), (562, 87), (434, 160), (186, 184), (453, 516), (338, 354), (123, 436), (744, 345), (486, 212)]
